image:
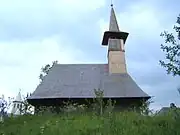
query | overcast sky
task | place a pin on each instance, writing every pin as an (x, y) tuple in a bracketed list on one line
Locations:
[(34, 33)]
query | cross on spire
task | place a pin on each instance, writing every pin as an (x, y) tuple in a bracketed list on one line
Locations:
[(113, 25), (111, 3)]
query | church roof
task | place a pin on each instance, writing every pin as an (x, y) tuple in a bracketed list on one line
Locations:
[(80, 80)]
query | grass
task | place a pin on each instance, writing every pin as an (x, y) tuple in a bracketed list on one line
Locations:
[(89, 124)]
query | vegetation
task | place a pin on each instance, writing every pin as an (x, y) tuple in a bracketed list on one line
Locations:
[(26, 108), (124, 123), (45, 70), (172, 50), (4, 106)]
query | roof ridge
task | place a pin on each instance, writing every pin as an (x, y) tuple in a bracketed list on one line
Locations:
[(85, 64)]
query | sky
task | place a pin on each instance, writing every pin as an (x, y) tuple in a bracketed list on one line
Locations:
[(35, 33)]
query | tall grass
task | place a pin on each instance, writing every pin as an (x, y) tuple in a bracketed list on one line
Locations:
[(119, 123)]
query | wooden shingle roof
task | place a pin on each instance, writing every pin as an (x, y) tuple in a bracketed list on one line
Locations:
[(80, 80)]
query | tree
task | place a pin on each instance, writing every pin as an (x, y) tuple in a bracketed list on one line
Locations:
[(172, 50), (144, 109), (45, 70), (4, 106), (99, 100), (26, 108)]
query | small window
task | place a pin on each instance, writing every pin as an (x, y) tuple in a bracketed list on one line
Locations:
[(14, 105), (18, 106), (81, 73), (93, 68), (117, 65), (122, 44)]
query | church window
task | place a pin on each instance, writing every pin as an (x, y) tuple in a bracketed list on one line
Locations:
[(81, 73), (113, 37), (122, 44), (117, 65), (93, 68), (14, 105), (18, 106)]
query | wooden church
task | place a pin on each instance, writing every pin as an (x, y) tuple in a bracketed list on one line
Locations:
[(76, 82)]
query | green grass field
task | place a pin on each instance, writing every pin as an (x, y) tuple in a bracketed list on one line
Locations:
[(88, 124)]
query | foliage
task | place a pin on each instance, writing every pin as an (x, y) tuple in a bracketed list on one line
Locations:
[(26, 108), (45, 70), (124, 123), (172, 50), (110, 106), (4, 106), (98, 100), (144, 109)]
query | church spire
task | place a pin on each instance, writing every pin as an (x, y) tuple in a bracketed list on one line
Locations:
[(113, 25), (114, 44), (115, 40), (114, 33)]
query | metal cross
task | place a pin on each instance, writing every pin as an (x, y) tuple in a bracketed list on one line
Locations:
[(111, 3)]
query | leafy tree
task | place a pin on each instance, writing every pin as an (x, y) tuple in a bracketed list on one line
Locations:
[(99, 100), (145, 110), (45, 70), (4, 106), (172, 50), (26, 108)]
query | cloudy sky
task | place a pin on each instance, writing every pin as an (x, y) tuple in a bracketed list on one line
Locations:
[(34, 33)]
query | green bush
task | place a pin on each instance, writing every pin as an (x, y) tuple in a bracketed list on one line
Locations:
[(120, 123)]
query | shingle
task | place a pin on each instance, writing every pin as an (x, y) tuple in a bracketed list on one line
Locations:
[(80, 80)]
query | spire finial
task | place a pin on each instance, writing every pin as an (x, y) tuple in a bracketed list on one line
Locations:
[(111, 3)]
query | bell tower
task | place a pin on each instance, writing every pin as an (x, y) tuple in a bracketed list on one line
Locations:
[(115, 40)]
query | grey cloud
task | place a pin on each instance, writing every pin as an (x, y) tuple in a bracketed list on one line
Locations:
[(41, 19), (165, 97), (155, 81), (151, 73), (32, 25)]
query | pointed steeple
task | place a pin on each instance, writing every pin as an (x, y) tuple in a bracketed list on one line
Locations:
[(114, 44), (113, 25), (18, 97), (114, 34)]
